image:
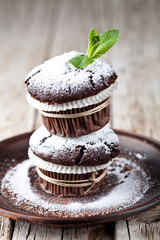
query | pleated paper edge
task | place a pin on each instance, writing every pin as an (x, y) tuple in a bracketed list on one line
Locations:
[(74, 104), (52, 167)]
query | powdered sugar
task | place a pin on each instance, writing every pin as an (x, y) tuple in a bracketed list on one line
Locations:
[(52, 167), (140, 156), (57, 77), (101, 96), (132, 184), (58, 69), (42, 142)]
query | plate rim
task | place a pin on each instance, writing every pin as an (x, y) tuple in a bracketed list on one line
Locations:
[(80, 221)]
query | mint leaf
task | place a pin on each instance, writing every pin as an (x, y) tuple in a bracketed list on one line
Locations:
[(81, 61), (93, 39), (106, 41), (109, 34), (97, 46)]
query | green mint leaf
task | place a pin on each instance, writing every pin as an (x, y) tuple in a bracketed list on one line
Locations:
[(97, 46), (81, 61), (93, 39), (106, 41)]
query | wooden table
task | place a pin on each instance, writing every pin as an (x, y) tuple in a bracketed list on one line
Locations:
[(32, 31)]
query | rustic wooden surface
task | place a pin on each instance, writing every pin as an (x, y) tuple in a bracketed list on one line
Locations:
[(32, 31)]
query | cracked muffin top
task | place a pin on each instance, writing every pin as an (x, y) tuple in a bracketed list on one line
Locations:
[(90, 150), (58, 81)]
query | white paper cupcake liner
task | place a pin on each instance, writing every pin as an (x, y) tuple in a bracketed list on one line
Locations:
[(74, 104), (52, 167)]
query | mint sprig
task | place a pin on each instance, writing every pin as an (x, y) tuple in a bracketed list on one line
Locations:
[(97, 46), (81, 61)]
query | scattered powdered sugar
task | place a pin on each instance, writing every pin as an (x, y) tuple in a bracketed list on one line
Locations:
[(140, 156), (42, 142), (132, 184)]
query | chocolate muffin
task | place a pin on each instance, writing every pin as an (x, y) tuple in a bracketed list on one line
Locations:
[(73, 102), (73, 166)]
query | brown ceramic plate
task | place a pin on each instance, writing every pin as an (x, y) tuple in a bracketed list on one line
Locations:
[(133, 188)]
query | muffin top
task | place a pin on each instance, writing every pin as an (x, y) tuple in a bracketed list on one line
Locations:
[(90, 150), (58, 81)]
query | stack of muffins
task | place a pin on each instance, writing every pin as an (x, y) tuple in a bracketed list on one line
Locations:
[(74, 147)]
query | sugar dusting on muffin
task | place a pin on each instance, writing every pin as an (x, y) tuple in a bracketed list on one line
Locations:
[(57, 81), (98, 147)]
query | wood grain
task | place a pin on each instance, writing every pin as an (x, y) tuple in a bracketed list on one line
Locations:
[(33, 31), (148, 231), (121, 230), (24, 46), (27, 231), (135, 105), (6, 228)]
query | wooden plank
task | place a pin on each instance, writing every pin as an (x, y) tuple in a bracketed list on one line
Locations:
[(101, 232), (75, 233), (21, 231), (132, 229), (98, 232), (24, 45), (6, 228), (147, 231), (27, 231), (138, 93), (135, 105), (121, 230), (24, 38), (151, 215)]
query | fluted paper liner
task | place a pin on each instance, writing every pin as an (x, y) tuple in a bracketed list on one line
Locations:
[(100, 97), (52, 167), (74, 127), (64, 173), (68, 191)]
